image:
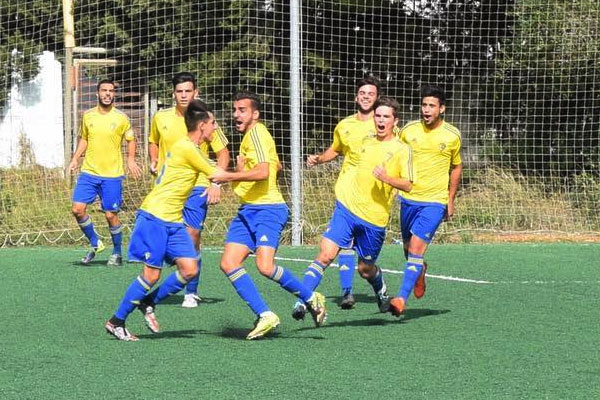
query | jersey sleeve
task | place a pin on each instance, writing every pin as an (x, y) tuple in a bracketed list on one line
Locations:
[(219, 141), (199, 161), (127, 131), (456, 159), (337, 141), (154, 136), (263, 143)]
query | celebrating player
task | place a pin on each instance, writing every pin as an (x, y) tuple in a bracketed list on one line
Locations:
[(102, 131), (347, 139), (168, 126), (364, 202), (436, 150), (260, 219), (159, 235)]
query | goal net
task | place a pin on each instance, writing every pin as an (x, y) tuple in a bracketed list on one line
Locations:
[(522, 80)]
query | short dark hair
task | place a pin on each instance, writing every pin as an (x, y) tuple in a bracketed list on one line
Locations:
[(183, 77), (196, 112), (103, 81), (388, 102), (369, 80), (433, 91), (246, 94)]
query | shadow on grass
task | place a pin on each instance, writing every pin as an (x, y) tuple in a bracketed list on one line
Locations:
[(92, 264), (241, 333), (187, 334), (178, 299)]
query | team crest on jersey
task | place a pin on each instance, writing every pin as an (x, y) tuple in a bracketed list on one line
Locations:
[(442, 146), (389, 156), (113, 126)]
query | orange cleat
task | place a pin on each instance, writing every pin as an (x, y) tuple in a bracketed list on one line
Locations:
[(420, 286), (397, 305)]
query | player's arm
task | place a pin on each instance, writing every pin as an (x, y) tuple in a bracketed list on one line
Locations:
[(396, 182), (326, 156), (81, 147), (455, 174), (213, 193), (153, 140), (259, 172), (132, 166)]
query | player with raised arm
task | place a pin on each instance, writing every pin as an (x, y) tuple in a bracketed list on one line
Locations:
[(436, 152), (103, 128), (260, 220), (347, 139), (168, 126), (364, 203), (160, 235)]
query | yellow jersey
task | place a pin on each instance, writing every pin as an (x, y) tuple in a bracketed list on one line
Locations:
[(347, 140), (434, 151), (258, 147), (176, 179), (104, 134), (168, 127), (366, 196)]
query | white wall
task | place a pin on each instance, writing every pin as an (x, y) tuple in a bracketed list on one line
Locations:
[(35, 109)]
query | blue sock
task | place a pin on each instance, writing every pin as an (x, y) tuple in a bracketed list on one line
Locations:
[(87, 227), (171, 285), (313, 275), (246, 289), (412, 270), (289, 282), (192, 286), (116, 233), (347, 263), (134, 294), (377, 281)]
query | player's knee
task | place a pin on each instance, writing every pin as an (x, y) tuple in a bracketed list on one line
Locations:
[(112, 218), (78, 211), (366, 271), (228, 265), (326, 258), (189, 272), (265, 268)]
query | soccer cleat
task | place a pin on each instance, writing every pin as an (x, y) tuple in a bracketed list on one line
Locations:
[(149, 317), (299, 311), (115, 260), (317, 309), (383, 301), (265, 324), (190, 300), (420, 286), (92, 253), (397, 305), (120, 332), (347, 301)]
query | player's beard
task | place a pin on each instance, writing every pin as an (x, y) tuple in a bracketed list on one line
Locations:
[(105, 106)]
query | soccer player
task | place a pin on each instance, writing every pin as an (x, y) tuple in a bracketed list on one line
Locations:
[(364, 202), (168, 126), (436, 152), (102, 131), (260, 219), (160, 235), (347, 138)]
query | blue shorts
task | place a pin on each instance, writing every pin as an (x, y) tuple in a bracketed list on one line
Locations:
[(258, 225), (420, 219), (345, 227), (195, 208), (156, 242), (110, 191)]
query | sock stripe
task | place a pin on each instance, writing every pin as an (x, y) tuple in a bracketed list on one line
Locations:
[(85, 222), (144, 283), (180, 278), (415, 260), (115, 229), (236, 274), (347, 252), (277, 273), (316, 266)]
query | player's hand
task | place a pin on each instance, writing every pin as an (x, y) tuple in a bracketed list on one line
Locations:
[(219, 176), (72, 166), (380, 173), (153, 165), (240, 163), (449, 211), (312, 160), (213, 194), (134, 169)]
